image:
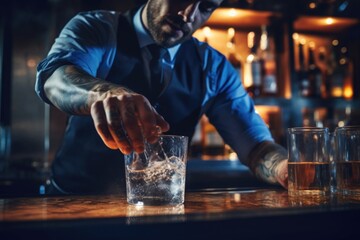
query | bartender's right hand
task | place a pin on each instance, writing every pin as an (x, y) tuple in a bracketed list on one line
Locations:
[(126, 120)]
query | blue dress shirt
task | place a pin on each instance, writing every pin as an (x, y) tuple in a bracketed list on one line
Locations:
[(231, 110)]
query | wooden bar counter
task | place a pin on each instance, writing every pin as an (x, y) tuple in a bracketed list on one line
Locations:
[(207, 214)]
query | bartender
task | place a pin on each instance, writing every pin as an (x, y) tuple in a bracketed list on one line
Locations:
[(118, 91)]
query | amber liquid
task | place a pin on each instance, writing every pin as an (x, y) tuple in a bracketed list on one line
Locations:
[(348, 177), (309, 178)]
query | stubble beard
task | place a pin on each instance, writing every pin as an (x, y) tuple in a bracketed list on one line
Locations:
[(156, 25)]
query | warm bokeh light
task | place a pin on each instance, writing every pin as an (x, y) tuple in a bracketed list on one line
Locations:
[(335, 42), (329, 21), (31, 63), (237, 17), (295, 36), (337, 92), (233, 156), (264, 112), (232, 12), (250, 39), (207, 31), (323, 24), (231, 32), (341, 124), (237, 197), (312, 44), (312, 5), (348, 92)]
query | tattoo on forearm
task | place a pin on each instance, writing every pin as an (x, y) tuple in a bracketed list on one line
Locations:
[(265, 159), (73, 90), (266, 166), (75, 100)]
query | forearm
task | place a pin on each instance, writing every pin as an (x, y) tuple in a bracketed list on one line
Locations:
[(265, 159), (74, 91)]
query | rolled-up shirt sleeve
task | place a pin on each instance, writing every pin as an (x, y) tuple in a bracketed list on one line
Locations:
[(231, 110), (85, 42)]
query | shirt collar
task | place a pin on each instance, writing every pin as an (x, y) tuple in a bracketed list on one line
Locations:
[(145, 38)]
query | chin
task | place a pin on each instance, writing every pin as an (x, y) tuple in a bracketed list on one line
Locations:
[(171, 41)]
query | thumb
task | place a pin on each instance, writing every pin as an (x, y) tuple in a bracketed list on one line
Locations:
[(282, 173)]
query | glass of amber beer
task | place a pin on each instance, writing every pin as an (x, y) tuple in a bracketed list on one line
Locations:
[(347, 160), (308, 165)]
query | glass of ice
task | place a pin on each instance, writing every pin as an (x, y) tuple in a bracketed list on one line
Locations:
[(309, 163), (157, 176)]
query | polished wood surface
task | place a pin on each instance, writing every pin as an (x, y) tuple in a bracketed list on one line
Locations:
[(222, 206), (207, 202)]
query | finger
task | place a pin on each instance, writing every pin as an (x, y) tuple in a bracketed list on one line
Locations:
[(99, 118), (161, 126), (115, 126), (130, 123), (146, 118), (160, 121)]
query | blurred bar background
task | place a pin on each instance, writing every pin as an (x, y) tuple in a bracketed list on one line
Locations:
[(305, 52)]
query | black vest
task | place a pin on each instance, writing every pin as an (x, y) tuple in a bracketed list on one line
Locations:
[(83, 163)]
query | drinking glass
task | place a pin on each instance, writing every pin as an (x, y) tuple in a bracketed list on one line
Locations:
[(347, 160), (157, 176), (308, 164)]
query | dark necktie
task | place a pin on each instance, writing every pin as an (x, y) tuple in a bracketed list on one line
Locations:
[(156, 68)]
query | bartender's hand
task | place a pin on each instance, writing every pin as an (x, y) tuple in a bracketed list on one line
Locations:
[(281, 173), (122, 118), (125, 120), (269, 163)]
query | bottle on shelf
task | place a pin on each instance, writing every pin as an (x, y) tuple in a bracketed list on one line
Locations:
[(213, 146), (268, 65), (252, 71), (337, 71), (347, 69), (322, 63), (314, 74), (196, 147), (348, 90), (207, 142), (302, 76), (334, 76), (231, 52)]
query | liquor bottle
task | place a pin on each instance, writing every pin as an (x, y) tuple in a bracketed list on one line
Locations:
[(268, 65), (231, 52), (196, 147), (314, 75), (348, 90), (213, 145), (252, 68), (303, 80), (322, 57), (341, 84), (335, 74)]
